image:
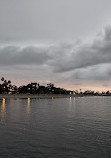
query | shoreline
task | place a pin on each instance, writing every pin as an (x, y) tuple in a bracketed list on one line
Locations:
[(44, 96), (35, 96)]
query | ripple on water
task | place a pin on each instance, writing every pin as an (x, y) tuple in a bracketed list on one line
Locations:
[(75, 127)]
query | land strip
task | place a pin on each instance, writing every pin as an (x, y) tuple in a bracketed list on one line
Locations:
[(39, 96)]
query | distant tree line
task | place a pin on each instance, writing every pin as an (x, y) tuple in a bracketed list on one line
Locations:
[(36, 88), (6, 87), (31, 88)]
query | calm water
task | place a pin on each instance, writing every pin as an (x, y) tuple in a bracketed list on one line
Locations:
[(59, 128)]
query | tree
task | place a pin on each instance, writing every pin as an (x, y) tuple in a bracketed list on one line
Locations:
[(50, 87), (2, 79), (6, 85), (107, 93), (9, 82)]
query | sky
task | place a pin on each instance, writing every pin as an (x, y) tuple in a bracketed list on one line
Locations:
[(65, 42)]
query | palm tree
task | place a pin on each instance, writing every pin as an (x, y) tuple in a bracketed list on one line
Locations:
[(9, 82), (5, 82), (2, 79)]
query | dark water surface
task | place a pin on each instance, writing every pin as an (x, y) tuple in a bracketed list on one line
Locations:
[(59, 128)]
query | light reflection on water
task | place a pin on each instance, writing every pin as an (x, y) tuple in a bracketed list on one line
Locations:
[(3, 110), (56, 128), (28, 106)]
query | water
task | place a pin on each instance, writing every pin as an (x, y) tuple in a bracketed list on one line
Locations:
[(58, 128)]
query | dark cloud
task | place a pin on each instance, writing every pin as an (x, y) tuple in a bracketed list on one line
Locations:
[(86, 55), (13, 55), (62, 57), (100, 73), (80, 61)]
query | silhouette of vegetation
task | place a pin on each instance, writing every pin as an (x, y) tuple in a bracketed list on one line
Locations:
[(35, 88)]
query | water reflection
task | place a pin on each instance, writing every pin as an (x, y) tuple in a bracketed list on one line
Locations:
[(52, 100), (72, 127), (28, 106), (3, 110), (70, 103), (70, 100)]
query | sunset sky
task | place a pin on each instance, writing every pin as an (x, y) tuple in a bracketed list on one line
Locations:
[(66, 42)]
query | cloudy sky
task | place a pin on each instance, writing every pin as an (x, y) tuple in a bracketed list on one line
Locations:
[(66, 42)]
